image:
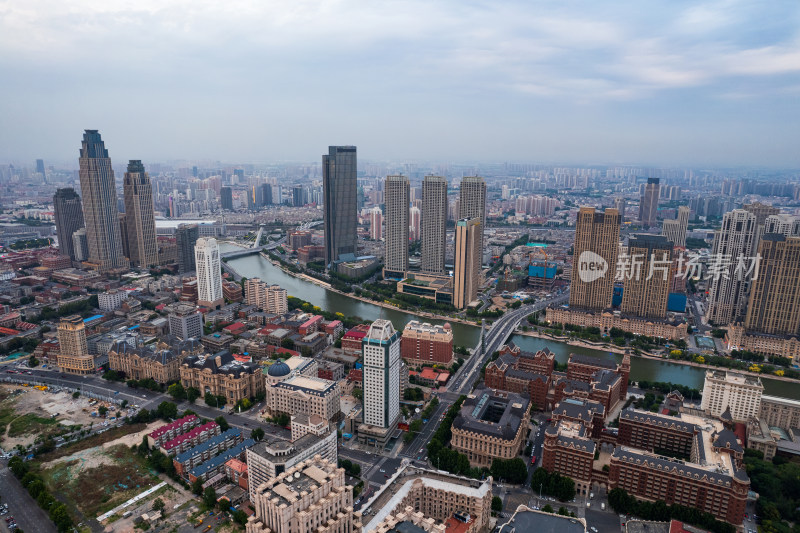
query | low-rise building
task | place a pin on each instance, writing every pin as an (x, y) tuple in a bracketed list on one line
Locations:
[(197, 455), (491, 424), (208, 470), (162, 434), (673, 329), (190, 439), (161, 362), (222, 375)]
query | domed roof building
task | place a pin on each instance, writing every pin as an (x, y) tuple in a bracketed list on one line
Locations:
[(277, 372)]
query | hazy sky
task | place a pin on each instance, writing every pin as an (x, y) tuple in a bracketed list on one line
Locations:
[(670, 83)]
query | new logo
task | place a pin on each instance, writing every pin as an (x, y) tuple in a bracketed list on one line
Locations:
[(591, 266)]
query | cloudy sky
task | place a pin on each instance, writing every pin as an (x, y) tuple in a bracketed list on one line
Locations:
[(639, 82)]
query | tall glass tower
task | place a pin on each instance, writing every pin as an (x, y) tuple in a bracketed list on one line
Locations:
[(339, 186), (100, 205), (68, 212), (140, 221)]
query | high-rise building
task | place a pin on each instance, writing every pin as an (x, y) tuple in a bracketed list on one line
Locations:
[(68, 215), (185, 322), (381, 352), (299, 196), (80, 245), (140, 218), (434, 224), (594, 259), (414, 218), (339, 195), (774, 304), (648, 205), (264, 195), (226, 198), (40, 169), (675, 230), (395, 259), (646, 286), (100, 205), (784, 224), (761, 212), (467, 264), (209, 273), (727, 293), (473, 204), (73, 351), (310, 497), (375, 224), (620, 204), (730, 391), (186, 236)]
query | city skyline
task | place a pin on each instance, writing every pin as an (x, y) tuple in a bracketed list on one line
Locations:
[(683, 84)]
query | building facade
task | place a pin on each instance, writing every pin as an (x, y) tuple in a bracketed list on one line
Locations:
[(472, 204), (652, 327), (729, 391), (595, 255), (222, 375), (185, 322), (467, 268), (73, 356), (186, 236), (646, 289), (100, 212), (304, 394), (675, 230), (774, 304), (68, 214), (434, 224), (426, 344), (140, 219), (339, 190), (162, 364), (209, 273), (648, 205), (395, 258)]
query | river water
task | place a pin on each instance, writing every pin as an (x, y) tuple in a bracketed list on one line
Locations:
[(253, 266)]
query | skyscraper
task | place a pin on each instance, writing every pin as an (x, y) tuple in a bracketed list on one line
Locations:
[(467, 268), (761, 212), (620, 204), (226, 198), (381, 350), (594, 259), (774, 304), (299, 196), (185, 238), (80, 245), (100, 205), (339, 194), (727, 293), (434, 224), (414, 218), (40, 169), (648, 205), (209, 273), (376, 224), (395, 261), (73, 351), (473, 204), (140, 219), (647, 288), (68, 215), (675, 230)]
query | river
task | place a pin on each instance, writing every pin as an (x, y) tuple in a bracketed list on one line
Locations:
[(255, 266)]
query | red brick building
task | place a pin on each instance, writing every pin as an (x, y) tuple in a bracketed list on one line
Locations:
[(505, 374), (423, 343), (351, 341), (569, 450)]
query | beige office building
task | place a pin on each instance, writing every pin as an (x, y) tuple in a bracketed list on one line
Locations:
[(434, 223), (648, 205), (311, 497), (304, 394), (774, 304), (140, 222), (74, 356), (472, 204), (727, 293), (209, 273), (467, 269), (596, 247), (675, 230), (738, 393), (647, 284), (395, 259)]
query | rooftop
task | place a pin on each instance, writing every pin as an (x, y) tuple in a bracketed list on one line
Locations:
[(308, 384), (492, 413), (525, 519)]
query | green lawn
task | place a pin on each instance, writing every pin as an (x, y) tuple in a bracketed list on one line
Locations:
[(31, 423)]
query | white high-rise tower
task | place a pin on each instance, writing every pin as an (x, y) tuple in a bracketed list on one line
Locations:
[(209, 273), (381, 348)]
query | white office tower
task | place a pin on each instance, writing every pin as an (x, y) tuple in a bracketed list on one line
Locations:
[(381, 348), (414, 216), (675, 230), (376, 224), (209, 273)]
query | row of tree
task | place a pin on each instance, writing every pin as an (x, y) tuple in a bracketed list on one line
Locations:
[(553, 484), (56, 510), (658, 511)]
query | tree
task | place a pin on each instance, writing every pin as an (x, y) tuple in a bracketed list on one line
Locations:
[(209, 497), (358, 394), (223, 424), (240, 517), (257, 434), (355, 470), (158, 504), (177, 391), (33, 362), (75, 395), (563, 511), (192, 394), (497, 504), (60, 517), (197, 486), (102, 410), (124, 404), (548, 509), (167, 410)]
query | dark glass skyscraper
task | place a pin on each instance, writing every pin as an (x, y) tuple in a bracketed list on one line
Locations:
[(226, 198), (140, 220), (185, 238), (68, 213), (339, 186), (100, 205)]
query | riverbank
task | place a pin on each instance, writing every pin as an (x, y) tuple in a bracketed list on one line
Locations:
[(644, 355), (327, 286)]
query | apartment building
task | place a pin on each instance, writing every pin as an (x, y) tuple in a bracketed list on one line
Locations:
[(730, 391), (424, 343)]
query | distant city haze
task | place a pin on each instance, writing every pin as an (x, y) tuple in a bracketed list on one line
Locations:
[(669, 83)]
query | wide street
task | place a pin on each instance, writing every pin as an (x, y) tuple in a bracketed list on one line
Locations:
[(26, 512)]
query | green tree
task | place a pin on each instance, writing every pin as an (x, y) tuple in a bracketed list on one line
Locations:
[(257, 434), (209, 497), (167, 410), (177, 392), (548, 509), (192, 394), (497, 504), (240, 517), (223, 423), (76, 394), (33, 362), (358, 394), (563, 511), (197, 486), (355, 470), (158, 504), (60, 517), (102, 410)]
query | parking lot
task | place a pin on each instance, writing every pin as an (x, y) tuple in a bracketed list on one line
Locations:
[(25, 511)]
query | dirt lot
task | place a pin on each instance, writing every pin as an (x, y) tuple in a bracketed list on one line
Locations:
[(26, 412)]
